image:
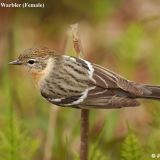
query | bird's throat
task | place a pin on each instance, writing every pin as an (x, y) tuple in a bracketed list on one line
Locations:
[(37, 76)]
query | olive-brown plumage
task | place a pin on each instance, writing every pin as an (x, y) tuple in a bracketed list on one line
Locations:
[(75, 82)]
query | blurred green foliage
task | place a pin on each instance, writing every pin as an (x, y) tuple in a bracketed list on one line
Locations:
[(131, 149)]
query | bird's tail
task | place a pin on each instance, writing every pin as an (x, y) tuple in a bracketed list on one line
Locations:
[(154, 92)]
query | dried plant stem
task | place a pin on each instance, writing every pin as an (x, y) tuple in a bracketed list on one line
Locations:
[(84, 112), (50, 133), (84, 134), (52, 122), (76, 40)]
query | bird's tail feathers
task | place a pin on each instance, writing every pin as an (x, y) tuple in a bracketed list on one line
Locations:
[(154, 92)]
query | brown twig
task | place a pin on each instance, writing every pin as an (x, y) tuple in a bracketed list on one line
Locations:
[(50, 133), (52, 121), (84, 112), (84, 134), (76, 40)]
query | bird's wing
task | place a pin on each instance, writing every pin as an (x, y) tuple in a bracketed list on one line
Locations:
[(107, 79), (108, 102), (110, 91)]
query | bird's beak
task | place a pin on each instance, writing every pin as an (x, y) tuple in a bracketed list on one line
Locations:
[(16, 62)]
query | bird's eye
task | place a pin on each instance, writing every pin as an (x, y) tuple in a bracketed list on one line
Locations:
[(31, 61)]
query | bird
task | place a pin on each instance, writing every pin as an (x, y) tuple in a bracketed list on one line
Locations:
[(69, 81)]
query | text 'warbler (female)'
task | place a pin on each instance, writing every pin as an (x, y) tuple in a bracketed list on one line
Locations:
[(75, 82)]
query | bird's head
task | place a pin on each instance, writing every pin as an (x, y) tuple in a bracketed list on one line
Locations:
[(35, 60)]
